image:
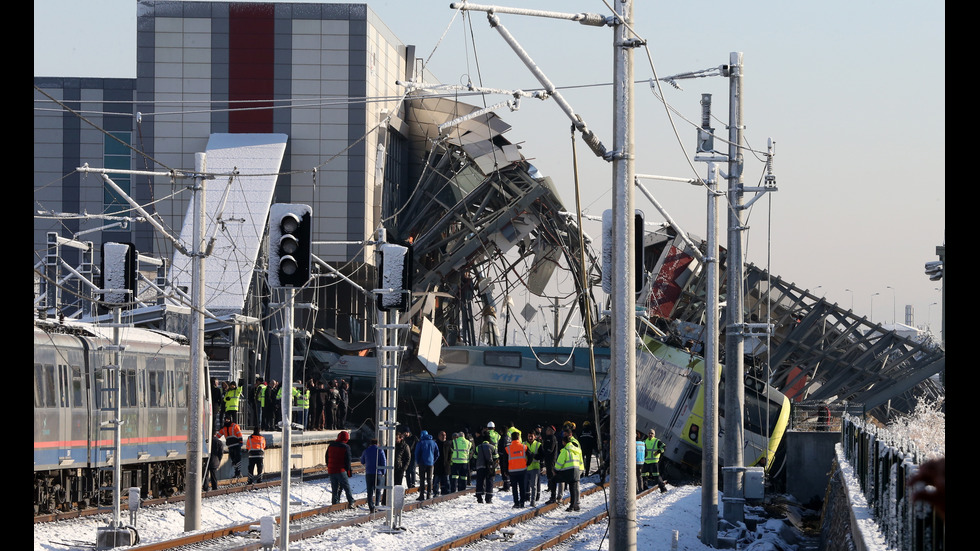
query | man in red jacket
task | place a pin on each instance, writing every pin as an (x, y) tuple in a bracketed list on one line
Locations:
[(338, 467)]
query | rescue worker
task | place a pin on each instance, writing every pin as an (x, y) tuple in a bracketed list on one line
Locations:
[(533, 479), (460, 463), (303, 401), (486, 465), (256, 455), (569, 468), (641, 455), (517, 468), (260, 391), (233, 397), (233, 439), (651, 463)]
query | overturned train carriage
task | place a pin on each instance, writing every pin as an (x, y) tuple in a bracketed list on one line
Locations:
[(74, 393)]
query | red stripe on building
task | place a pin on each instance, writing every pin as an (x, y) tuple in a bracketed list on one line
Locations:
[(251, 66)]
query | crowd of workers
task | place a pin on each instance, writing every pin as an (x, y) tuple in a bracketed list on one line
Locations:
[(448, 463), (439, 464), (322, 405)]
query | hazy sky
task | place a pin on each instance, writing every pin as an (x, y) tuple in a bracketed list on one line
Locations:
[(853, 93)]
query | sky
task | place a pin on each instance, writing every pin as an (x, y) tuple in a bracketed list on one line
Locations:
[(853, 94)]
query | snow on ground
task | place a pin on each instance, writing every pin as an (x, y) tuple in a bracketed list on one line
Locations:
[(658, 515)]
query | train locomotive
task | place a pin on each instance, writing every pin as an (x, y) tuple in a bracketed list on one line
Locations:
[(73, 398)]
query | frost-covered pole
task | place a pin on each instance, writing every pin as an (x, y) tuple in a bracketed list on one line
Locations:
[(286, 404), (735, 331), (709, 463), (192, 482), (622, 523)]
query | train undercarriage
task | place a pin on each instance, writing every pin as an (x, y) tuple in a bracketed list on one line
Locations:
[(83, 487)]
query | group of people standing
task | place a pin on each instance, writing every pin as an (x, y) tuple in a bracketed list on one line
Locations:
[(322, 405), (446, 463)]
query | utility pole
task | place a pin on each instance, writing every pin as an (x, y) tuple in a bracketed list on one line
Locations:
[(195, 423), (735, 335), (622, 490), (709, 456)]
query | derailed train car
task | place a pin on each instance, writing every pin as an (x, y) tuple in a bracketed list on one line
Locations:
[(73, 397), (549, 385)]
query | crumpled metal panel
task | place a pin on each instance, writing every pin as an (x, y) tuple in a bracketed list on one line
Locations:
[(475, 198)]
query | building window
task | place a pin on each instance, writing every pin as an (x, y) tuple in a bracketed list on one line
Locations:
[(116, 155)]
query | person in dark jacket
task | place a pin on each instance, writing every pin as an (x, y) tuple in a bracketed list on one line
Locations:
[(339, 469), (374, 462), (486, 466), (443, 466), (214, 461), (403, 455), (587, 439), (549, 454), (411, 440), (426, 455)]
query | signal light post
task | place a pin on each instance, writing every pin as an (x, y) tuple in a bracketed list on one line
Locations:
[(290, 253)]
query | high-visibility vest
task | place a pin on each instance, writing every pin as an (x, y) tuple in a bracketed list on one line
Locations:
[(255, 445), (303, 399), (260, 394), (232, 397), (569, 458), (461, 450), (654, 448), (516, 456), (532, 452)]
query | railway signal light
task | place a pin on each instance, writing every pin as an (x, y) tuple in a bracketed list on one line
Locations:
[(290, 244)]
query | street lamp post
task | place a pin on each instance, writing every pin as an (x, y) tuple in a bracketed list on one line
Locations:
[(894, 320), (852, 297), (872, 315)]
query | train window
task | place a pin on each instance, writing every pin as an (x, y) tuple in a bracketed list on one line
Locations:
[(498, 358), (37, 388), (133, 387), (156, 385), (76, 386), (46, 380), (602, 364), (455, 356), (63, 383), (155, 388), (555, 362), (128, 389), (181, 390), (43, 385)]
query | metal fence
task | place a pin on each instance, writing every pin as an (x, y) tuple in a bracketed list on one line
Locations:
[(817, 416), (883, 463)]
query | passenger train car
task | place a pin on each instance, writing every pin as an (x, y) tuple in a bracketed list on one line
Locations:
[(550, 385), (73, 393)]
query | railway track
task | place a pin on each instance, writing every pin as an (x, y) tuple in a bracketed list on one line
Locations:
[(310, 524), (225, 487)]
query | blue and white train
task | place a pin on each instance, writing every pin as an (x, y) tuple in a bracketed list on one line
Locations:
[(72, 397)]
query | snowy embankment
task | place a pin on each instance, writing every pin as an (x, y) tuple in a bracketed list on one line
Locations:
[(658, 516)]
